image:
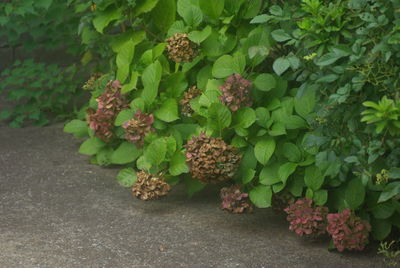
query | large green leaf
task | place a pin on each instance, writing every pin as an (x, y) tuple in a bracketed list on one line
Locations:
[(200, 36), (124, 59), (151, 79), (77, 127), (178, 164), (125, 153), (219, 117), (212, 8), (265, 82), (291, 152), (193, 186), (313, 178), (355, 193), (156, 151), (91, 146), (144, 6), (126, 177), (227, 65), (380, 228), (103, 18), (261, 196), (286, 170), (190, 13), (269, 174), (281, 65), (305, 104), (164, 14), (168, 111), (123, 116), (244, 117), (264, 149)]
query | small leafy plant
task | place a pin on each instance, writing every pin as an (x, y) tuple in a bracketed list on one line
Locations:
[(39, 90)]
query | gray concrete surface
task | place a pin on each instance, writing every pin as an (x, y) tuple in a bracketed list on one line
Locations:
[(56, 210)]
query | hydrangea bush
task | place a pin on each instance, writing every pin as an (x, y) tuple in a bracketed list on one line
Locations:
[(218, 91)]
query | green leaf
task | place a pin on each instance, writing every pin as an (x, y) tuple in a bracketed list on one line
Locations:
[(227, 65), (292, 152), (156, 151), (320, 197), (178, 164), (151, 79), (125, 153), (248, 175), (280, 35), (123, 116), (200, 36), (126, 177), (265, 82), (132, 83), (264, 150), (124, 59), (45, 4), (145, 6), (281, 65), (190, 13), (305, 104), (380, 228), (77, 127), (164, 14), (219, 117), (355, 193), (223, 67), (390, 191), (383, 210), (261, 196), (103, 157), (313, 178), (327, 59), (244, 117), (91, 146), (168, 111), (269, 174), (103, 18), (286, 170), (212, 8)]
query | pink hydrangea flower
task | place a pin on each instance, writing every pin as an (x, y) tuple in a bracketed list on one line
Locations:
[(306, 219), (236, 92), (348, 231)]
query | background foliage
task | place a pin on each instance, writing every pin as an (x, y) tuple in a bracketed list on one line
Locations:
[(34, 88)]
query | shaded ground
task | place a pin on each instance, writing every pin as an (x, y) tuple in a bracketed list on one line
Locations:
[(56, 210)]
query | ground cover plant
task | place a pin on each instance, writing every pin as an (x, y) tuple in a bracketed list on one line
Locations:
[(293, 105)]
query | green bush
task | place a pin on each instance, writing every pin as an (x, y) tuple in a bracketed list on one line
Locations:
[(198, 85), (36, 89)]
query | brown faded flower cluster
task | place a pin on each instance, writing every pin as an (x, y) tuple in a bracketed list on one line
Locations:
[(91, 83), (234, 200), (138, 127), (236, 92), (211, 160), (149, 187), (181, 48), (109, 104), (189, 95)]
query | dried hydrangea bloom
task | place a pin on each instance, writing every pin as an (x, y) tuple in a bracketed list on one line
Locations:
[(348, 231), (234, 200), (91, 83), (112, 98), (236, 92), (181, 48), (138, 127), (109, 104), (149, 187), (211, 160), (306, 219), (189, 95), (102, 123)]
